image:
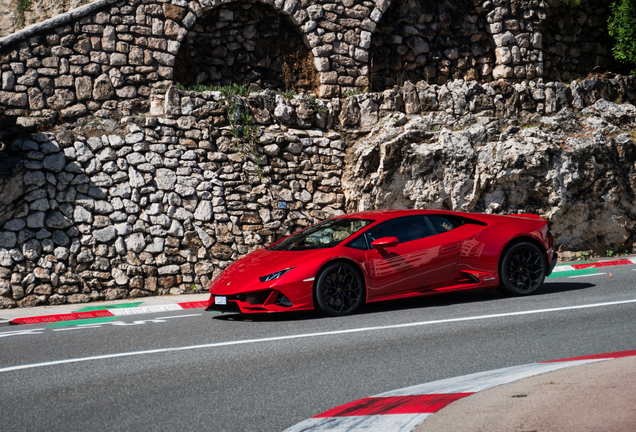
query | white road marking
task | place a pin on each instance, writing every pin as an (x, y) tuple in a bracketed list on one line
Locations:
[(21, 332), (144, 310), (179, 316), (79, 327), (563, 268), (318, 334), (587, 275), (379, 423)]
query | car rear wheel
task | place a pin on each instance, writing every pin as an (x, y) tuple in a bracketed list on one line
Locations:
[(523, 269), (339, 290)]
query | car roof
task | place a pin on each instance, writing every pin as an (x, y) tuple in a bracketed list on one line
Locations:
[(383, 215), (380, 215)]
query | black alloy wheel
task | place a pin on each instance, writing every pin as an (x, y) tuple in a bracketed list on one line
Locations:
[(339, 290), (522, 270)]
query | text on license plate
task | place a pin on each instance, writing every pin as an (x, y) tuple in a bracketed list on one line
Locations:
[(220, 300)]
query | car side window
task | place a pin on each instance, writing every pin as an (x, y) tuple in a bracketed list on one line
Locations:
[(359, 243), (444, 224), (405, 229)]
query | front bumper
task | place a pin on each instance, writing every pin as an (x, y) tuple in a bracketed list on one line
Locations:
[(265, 301)]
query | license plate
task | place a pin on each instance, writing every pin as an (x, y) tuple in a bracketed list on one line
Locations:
[(220, 300)]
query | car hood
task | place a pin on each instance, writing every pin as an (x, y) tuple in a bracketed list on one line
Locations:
[(263, 262)]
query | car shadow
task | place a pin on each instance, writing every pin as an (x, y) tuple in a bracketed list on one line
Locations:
[(437, 300)]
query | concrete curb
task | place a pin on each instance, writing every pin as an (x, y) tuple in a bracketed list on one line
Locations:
[(404, 409), (42, 314), (596, 264)]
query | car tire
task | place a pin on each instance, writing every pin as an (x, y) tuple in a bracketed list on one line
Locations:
[(522, 269), (340, 289)]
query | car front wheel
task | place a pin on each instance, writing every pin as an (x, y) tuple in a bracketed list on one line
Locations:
[(523, 269), (339, 290)]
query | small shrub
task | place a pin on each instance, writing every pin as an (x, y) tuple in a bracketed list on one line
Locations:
[(314, 105), (288, 94), (355, 91), (233, 89), (622, 27), (23, 6)]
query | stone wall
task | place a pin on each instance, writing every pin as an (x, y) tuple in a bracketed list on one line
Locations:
[(109, 52), (433, 41), (162, 205), (576, 42)]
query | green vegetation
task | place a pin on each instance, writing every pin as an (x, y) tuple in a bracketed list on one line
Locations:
[(314, 105), (228, 91), (244, 131), (23, 6), (584, 255), (232, 90), (619, 251), (288, 94), (355, 91), (622, 27)]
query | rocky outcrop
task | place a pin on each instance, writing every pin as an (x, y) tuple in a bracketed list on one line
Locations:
[(577, 171)]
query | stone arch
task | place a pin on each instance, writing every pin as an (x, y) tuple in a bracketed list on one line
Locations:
[(104, 58), (246, 43), (338, 35)]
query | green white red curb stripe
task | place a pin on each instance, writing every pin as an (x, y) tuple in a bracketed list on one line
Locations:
[(404, 409), (109, 313), (598, 264), (573, 270)]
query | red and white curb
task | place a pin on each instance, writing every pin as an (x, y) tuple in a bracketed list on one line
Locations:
[(404, 409), (598, 264), (109, 313)]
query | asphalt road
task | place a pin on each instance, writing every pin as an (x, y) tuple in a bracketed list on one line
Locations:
[(262, 381)]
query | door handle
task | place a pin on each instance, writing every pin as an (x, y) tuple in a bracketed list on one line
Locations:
[(449, 246)]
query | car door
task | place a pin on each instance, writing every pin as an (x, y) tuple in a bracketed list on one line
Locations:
[(442, 251), (426, 255), (396, 269)]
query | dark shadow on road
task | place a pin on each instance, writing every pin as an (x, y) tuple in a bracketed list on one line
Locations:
[(437, 300), (552, 286)]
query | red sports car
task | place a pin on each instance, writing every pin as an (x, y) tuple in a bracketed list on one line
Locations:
[(339, 264)]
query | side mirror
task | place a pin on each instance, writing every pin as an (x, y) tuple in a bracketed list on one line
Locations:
[(385, 242)]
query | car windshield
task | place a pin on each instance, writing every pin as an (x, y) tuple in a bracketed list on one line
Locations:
[(322, 235)]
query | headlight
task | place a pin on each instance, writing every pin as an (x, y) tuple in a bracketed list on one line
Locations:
[(276, 275)]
